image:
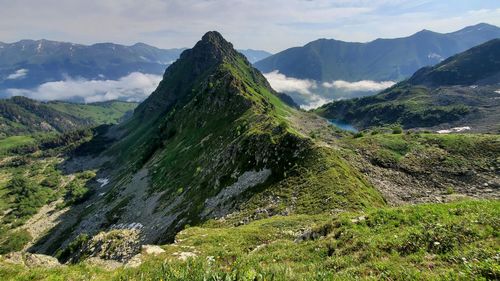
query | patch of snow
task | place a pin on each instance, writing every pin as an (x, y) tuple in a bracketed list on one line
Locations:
[(102, 194), (103, 181), (454, 130), (39, 47), (165, 62), (131, 226), (435, 56), (473, 86), (497, 91), (19, 74)]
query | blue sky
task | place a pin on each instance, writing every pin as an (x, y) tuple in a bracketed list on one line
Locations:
[(271, 25)]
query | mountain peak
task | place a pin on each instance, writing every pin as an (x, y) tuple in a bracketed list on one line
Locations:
[(212, 45), (194, 65), (480, 27), (214, 37)]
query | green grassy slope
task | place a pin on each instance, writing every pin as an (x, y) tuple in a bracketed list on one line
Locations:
[(110, 112), (234, 122), (26, 185), (23, 116), (454, 241), (15, 141)]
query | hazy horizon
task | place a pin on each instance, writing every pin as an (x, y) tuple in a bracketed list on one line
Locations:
[(271, 25)]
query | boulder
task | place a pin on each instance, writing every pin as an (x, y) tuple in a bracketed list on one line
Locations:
[(39, 260), (119, 245), (152, 249)]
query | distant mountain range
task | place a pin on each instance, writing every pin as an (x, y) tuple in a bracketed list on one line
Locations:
[(254, 56), (28, 63), (462, 91), (379, 60)]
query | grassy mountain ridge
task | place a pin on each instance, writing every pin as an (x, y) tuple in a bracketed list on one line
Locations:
[(475, 65), (21, 116), (460, 91), (380, 60), (214, 138), (240, 186)]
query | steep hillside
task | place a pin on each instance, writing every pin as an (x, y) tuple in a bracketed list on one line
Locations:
[(462, 91), (22, 116), (479, 65), (213, 141), (452, 241), (380, 60)]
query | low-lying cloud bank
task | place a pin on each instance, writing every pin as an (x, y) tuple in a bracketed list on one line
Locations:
[(133, 87), (310, 94), (303, 87), (281, 83), (19, 74), (361, 86)]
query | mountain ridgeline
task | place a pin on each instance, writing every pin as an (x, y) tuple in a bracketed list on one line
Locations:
[(213, 140), (45, 61), (460, 91), (28, 63), (379, 60), (23, 116)]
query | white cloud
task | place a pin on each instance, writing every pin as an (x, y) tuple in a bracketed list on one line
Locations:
[(311, 94), (281, 83), (19, 74), (302, 87), (133, 87), (360, 86), (315, 102)]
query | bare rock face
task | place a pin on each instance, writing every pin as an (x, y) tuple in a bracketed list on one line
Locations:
[(32, 260), (39, 260), (14, 258), (118, 245)]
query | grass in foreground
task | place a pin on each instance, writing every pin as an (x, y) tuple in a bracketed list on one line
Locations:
[(454, 241)]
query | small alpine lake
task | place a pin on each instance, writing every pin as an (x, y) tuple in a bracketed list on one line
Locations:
[(343, 125)]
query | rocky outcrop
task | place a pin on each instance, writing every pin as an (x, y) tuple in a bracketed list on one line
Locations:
[(117, 245), (152, 250), (32, 260), (146, 250)]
